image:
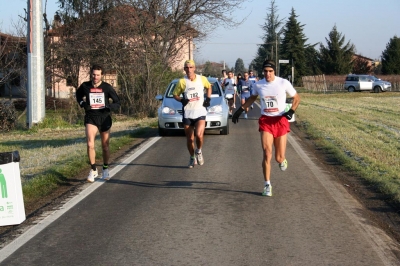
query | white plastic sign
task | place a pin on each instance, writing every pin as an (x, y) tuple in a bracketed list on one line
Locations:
[(12, 209)]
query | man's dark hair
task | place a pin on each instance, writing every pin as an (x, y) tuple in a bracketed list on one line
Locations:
[(223, 71), (96, 67)]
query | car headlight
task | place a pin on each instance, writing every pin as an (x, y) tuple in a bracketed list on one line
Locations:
[(168, 111), (215, 109)]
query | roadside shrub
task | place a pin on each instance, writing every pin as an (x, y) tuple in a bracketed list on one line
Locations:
[(8, 115)]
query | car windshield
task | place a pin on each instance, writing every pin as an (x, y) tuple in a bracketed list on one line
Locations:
[(215, 89)]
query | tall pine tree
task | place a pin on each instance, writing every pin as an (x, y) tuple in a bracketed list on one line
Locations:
[(270, 47), (336, 58), (391, 57), (293, 49)]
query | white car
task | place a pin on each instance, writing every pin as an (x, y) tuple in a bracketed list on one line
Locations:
[(170, 111)]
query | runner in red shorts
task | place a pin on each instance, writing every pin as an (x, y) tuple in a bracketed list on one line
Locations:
[(273, 123)]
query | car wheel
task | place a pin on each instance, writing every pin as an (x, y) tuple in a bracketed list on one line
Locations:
[(225, 130), (377, 89), (351, 89)]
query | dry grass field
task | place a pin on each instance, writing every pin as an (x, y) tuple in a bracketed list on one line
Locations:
[(362, 130)]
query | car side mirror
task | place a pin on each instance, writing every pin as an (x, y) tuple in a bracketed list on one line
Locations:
[(159, 97)]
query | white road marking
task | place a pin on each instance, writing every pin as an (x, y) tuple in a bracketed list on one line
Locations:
[(376, 237), (9, 249)]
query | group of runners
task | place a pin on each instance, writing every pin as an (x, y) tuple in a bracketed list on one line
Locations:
[(194, 92)]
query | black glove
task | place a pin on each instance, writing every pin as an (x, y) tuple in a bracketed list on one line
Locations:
[(226, 84), (85, 106), (184, 102), (108, 108), (236, 115), (206, 102), (289, 114)]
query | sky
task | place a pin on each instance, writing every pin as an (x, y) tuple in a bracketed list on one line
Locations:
[(368, 24)]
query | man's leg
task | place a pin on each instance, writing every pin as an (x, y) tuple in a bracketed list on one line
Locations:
[(91, 131), (105, 145), (266, 142), (189, 132), (199, 130), (280, 148)]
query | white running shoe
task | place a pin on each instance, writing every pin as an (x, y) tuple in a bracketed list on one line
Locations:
[(199, 158), (245, 116), (283, 165), (191, 162), (92, 175), (106, 174), (267, 191)]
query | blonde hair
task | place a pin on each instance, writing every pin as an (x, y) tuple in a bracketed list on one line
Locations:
[(189, 62)]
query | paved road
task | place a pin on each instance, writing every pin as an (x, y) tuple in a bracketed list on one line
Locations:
[(156, 211)]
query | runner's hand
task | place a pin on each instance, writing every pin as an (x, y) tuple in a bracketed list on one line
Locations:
[(289, 114), (85, 106), (236, 115), (184, 102), (206, 102)]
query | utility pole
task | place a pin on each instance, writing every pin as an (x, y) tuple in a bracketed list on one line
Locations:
[(36, 85)]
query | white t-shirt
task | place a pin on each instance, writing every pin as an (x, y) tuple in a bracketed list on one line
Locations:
[(273, 95), (230, 89)]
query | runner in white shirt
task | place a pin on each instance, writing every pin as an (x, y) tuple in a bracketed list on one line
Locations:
[(273, 123), (229, 86), (194, 104)]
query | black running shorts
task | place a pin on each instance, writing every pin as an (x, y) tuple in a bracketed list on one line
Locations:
[(103, 123)]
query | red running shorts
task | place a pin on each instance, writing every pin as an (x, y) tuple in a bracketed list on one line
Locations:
[(276, 125)]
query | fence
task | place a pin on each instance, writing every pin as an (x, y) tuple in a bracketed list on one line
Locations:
[(322, 83)]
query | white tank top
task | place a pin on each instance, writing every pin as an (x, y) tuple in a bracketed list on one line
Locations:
[(194, 92)]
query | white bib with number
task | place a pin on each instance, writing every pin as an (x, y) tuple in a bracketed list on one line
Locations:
[(97, 100)]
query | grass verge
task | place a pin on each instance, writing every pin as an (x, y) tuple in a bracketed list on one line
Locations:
[(53, 155), (361, 131)]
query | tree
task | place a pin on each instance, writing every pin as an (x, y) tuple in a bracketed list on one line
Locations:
[(293, 48), (270, 48), (138, 39), (391, 57), (311, 59), (239, 66), (336, 57)]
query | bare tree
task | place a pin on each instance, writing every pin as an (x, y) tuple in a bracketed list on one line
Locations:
[(137, 39)]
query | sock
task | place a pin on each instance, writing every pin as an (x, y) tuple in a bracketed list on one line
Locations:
[(93, 167), (267, 183), (105, 166), (198, 150)]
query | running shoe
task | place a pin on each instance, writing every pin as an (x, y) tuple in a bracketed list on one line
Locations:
[(251, 106), (199, 158), (106, 174), (92, 175), (245, 116), (283, 165), (267, 191), (191, 162)]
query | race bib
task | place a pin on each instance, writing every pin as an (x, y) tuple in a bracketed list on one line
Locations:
[(97, 99), (269, 104), (192, 95)]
